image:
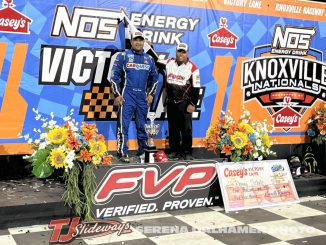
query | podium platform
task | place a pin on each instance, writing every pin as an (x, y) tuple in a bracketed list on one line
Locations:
[(30, 201)]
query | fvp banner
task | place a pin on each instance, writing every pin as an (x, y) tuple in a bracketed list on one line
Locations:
[(266, 55)]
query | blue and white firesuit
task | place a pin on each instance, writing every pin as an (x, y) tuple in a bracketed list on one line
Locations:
[(134, 76)]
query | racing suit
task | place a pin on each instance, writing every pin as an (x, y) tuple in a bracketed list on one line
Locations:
[(182, 87), (134, 76)]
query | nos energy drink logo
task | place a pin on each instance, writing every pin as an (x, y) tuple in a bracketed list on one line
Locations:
[(285, 77)]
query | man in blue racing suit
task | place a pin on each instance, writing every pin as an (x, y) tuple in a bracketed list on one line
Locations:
[(133, 82)]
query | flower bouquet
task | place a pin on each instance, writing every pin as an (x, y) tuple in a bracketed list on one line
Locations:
[(242, 140), (317, 125), (74, 150)]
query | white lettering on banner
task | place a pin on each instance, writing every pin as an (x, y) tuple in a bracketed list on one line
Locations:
[(274, 73), (60, 65), (292, 38), (187, 203), (236, 3), (163, 21), (163, 29), (288, 8), (86, 23), (163, 37), (126, 210), (286, 119), (255, 4), (313, 11), (14, 23), (227, 40)]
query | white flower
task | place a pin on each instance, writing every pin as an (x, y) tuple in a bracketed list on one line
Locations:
[(260, 158), (37, 141), (43, 136), (67, 118), (255, 155), (30, 141), (35, 111), (44, 125), (70, 156), (38, 117), (26, 136), (52, 115), (26, 157), (42, 145), (70, 165), (52, 123)]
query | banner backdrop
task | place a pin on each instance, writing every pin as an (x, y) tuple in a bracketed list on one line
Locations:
[(266, 55)]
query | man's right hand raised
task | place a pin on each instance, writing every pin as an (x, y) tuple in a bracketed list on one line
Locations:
[(118, 100)]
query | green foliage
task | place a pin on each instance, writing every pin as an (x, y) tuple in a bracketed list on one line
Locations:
[(40, 163)]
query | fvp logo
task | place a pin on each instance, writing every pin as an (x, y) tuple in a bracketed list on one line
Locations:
[(179, 179), (12, 20)]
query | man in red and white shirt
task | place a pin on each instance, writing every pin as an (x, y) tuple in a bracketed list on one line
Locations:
[(182, 88)]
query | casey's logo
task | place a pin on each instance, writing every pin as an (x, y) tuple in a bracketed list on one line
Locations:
[(222, 37), (13, 21)]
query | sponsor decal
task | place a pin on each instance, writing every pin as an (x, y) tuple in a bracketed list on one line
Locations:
[(287, 81), (176, 77), (60, 65), (86, 23), (130, 190), (12, 20), (292, 40), (163, 29), (222, 37), (286, 117), (179, 179), (137, 66), (83, 230)]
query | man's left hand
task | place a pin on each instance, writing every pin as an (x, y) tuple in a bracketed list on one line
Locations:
[(190, 108), (149, 99)]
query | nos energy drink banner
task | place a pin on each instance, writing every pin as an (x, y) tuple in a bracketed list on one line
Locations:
[(266, 55)]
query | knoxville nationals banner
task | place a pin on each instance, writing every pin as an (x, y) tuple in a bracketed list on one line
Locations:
[(138, 189), (266, 55)]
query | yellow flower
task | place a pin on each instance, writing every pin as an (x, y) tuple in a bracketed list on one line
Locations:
[(239, 140), (97, 148), (265, 140), (96, 159), (57, 158), (246, 127), (57, 135)]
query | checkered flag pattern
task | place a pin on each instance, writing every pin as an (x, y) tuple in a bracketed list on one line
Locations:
[(303, 223), (98, 104)]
